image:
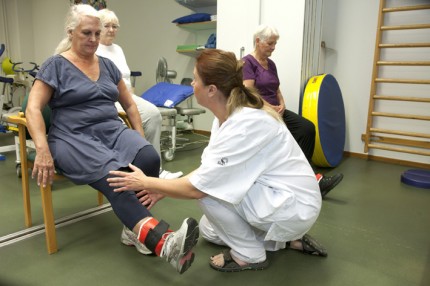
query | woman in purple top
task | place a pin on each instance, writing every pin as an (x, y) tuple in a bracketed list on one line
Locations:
[(260, 71)]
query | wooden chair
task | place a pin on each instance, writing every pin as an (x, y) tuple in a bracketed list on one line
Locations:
[(46, 192)]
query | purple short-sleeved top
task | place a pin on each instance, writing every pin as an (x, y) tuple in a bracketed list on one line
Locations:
[(86, 137), (266, 80)]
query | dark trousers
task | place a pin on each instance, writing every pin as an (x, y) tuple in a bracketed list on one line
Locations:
[(302, 130), (126, 205)]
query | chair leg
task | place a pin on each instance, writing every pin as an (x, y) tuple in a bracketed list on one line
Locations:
[(99, 198), (48, 216), (24, 175)]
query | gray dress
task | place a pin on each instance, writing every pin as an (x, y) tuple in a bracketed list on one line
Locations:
[(86, 137)]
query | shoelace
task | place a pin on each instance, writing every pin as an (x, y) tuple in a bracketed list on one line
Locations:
[(167, 249)]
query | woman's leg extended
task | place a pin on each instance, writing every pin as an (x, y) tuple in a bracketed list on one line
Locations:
[(125, 204), (303, 130), (175, 247), (231, 229), (148, 160)]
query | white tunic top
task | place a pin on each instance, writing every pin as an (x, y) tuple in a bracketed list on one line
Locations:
[(116, 54), (253, 162)]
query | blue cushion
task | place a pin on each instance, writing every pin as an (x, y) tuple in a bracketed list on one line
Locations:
[(193, 18), (165, 94)]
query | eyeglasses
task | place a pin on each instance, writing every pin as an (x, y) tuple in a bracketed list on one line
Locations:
[(114, 27)]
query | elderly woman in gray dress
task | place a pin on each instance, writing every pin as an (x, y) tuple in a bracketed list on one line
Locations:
[(86, 138)]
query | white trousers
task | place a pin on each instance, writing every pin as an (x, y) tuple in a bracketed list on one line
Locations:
[(222, 224), (151, 120)]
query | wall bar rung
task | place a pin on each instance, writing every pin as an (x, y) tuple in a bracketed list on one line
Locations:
[(403, 63), (398, 115), (401, 98), (411, 81), (398, 132), (406, 27), (405, 45), (406, 8), (403, 150)]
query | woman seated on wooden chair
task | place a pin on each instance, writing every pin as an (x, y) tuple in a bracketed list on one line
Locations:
[(86, 138)]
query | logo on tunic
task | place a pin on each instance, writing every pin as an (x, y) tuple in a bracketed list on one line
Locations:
[(223, 161)]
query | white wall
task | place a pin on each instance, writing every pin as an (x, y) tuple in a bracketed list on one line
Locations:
[(288, 18), (17, 29), (350, 42), (48, 26)]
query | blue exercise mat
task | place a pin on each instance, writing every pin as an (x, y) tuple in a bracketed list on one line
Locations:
[(417, 178), (322, 104)]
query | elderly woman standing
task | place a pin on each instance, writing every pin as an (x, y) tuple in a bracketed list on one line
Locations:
[(260, 72), (254, 185), (86, 138), (149, 113)]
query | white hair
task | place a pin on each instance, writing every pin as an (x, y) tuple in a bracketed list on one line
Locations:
[(264, 32), (73, 19), (108, 16)]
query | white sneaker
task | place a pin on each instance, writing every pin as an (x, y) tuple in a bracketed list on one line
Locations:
[(178, 245), (169, 175), (129, 238)]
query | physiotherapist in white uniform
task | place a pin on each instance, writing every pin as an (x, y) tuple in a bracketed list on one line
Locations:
[(255, 186)]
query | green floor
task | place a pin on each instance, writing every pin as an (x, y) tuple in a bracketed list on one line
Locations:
[(376, 230)]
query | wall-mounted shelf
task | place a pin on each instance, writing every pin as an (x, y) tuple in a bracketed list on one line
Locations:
[(191, 53), (198, 26), (193, 4), (201, 30)]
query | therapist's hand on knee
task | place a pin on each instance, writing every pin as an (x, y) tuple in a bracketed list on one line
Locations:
[(127, 181)]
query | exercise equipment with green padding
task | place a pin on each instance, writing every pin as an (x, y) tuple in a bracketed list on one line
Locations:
[(322, 104)]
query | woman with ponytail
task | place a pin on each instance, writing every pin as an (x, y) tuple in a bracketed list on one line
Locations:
[(255, 187)]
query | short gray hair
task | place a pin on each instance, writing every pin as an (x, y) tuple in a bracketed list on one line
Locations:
[(108, 16), (264, 32)]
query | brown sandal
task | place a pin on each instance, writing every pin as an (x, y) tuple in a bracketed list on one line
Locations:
[(311, 246), (231, 266)]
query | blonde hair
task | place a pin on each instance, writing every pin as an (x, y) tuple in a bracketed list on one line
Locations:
[(73, 19), (222, 69), (108, 16)]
